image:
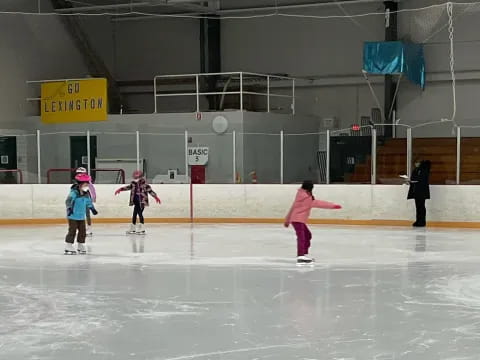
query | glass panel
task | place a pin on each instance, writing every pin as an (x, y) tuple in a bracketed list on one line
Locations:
[(219, 169), (15, 160), (470, 153), (303, 159), (59, 154), (164, 158), (114, 150), (350, 156), (391, 156), (261, 158), (440, 150)]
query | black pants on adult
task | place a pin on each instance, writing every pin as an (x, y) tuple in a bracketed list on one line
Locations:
[(137, 211), (421, 211)]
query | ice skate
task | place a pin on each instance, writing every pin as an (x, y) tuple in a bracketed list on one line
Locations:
[(69, 249), (132, 229), (140, 229), (82, 250), (305, 260), (89, 231)]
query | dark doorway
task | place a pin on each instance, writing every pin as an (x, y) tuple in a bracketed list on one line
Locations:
[(78, 151)]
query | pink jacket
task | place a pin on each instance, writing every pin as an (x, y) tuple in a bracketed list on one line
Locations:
[(303, 204)]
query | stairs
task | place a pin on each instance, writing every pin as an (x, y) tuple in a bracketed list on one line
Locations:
[(392, 159)]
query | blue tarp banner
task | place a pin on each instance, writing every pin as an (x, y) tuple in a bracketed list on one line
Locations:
[(395, 57)]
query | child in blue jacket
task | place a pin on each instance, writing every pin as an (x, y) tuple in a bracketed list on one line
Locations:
[(78, 201)]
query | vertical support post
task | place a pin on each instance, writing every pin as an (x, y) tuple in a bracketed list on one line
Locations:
[(409, 152), (138, 149), (186, 153), (293, 96), (268, 93), (241, 91), (374, 156), (234, 141), (197, 91), (155, 93), (459, 149), (89, 166), (390, 85), (39, 162), (281, 157), (327, 165)]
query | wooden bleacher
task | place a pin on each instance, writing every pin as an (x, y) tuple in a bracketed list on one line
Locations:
[(392, 157)]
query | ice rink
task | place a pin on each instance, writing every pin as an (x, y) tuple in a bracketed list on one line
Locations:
[(234, 292)]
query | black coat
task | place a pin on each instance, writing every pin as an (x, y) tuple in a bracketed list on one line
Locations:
[(419, 187)]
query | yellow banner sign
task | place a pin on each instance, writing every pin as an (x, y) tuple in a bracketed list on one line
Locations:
[(74, 101)]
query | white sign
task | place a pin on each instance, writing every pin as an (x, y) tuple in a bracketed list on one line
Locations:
[(198, 155)]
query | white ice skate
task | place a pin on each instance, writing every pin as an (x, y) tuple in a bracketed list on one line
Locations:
[(305, 260), (132, 230), (69, 249), (141, 229), (89, 231), (82, 250)]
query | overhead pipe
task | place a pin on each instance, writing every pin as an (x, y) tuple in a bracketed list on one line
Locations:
[(254, 9)]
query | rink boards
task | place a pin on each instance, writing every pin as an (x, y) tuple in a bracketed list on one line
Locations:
[(362, 204)]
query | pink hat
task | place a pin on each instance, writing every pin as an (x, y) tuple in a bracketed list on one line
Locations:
[(137, 174), (83, 178)]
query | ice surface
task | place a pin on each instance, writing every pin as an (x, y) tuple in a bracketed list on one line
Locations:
[(234, 292)]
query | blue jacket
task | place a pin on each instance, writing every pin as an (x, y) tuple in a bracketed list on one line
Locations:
[(77, 204)]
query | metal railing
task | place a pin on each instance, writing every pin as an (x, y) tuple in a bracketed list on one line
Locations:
[(241, 81)]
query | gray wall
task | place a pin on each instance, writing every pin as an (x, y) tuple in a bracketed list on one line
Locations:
[(31, 48), (162, 142), (435, 102)]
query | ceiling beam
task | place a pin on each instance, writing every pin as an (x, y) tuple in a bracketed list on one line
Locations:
[(104, 7), (227, 12), (193, 5)]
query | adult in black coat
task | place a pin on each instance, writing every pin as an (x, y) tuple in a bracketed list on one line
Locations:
[(420, 190)]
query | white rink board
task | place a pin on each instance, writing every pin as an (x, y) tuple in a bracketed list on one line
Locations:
[(360, 202)]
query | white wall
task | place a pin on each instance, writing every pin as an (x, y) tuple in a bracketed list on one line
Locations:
[(360, 202)]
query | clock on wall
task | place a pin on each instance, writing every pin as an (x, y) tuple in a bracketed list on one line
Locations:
[(220, 124)]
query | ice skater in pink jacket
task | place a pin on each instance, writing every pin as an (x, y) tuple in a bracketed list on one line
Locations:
[(298, 217)]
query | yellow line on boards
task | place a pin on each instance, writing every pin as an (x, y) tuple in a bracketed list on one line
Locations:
[(440, 224)]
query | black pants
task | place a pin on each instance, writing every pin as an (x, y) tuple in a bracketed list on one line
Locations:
[(73, 227), (137, 211), (421, 211)]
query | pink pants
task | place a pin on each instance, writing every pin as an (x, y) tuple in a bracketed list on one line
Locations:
[(303, 238)]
